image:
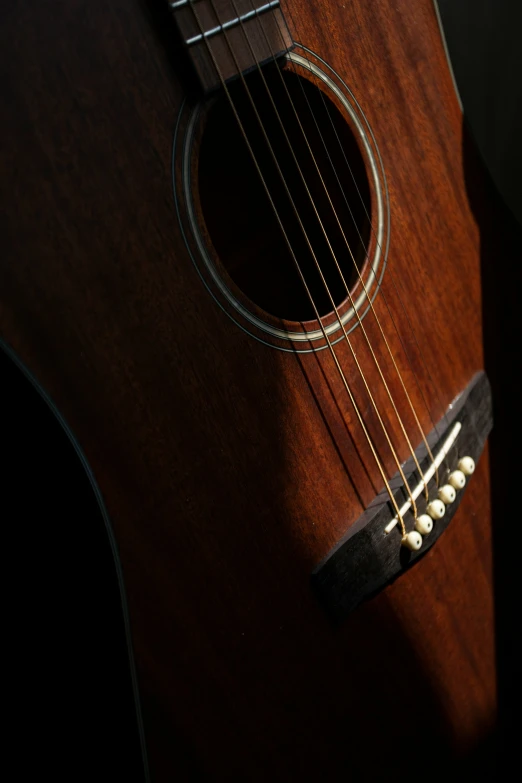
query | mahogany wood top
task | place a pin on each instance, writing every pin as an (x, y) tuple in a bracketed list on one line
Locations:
[(230, 469)]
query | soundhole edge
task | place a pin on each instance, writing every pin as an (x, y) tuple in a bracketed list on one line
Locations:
[(239, 241)]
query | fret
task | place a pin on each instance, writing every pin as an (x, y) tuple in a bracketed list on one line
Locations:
[(233, 22), (223, 27)]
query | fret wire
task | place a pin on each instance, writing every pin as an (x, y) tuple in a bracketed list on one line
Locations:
[(238, 20)]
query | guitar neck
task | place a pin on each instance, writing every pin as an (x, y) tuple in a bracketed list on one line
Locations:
[(225, 37)]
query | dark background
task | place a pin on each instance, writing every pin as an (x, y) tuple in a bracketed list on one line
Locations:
[(483, 39), (68, 663)]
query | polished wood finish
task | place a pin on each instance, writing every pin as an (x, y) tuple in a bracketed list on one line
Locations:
[(229, 469)]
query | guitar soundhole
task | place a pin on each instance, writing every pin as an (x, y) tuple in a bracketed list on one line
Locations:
[(239, 217)]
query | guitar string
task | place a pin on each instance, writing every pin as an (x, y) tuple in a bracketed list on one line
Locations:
[(411, 328), (390, 273), (352, 399), (318, 266), (382, 291), (303, 280), (359, 320)]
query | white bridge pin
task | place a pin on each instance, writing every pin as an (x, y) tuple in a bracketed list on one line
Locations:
[(457, 479), (467, 465), (447, 494), (436, 509), (412, 541), (424, 524)]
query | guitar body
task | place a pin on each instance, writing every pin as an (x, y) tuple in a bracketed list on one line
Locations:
[(229, 469)]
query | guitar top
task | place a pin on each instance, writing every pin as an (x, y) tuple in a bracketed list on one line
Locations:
[(242, 261)]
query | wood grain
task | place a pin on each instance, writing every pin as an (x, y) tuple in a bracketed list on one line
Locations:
[(229, 469)]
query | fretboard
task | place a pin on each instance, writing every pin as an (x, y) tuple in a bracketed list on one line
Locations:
[(225, 37)]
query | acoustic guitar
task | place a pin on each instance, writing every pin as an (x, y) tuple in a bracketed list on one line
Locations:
[(242, 262)]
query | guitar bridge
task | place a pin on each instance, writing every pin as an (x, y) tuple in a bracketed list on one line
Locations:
[(370, 556)]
